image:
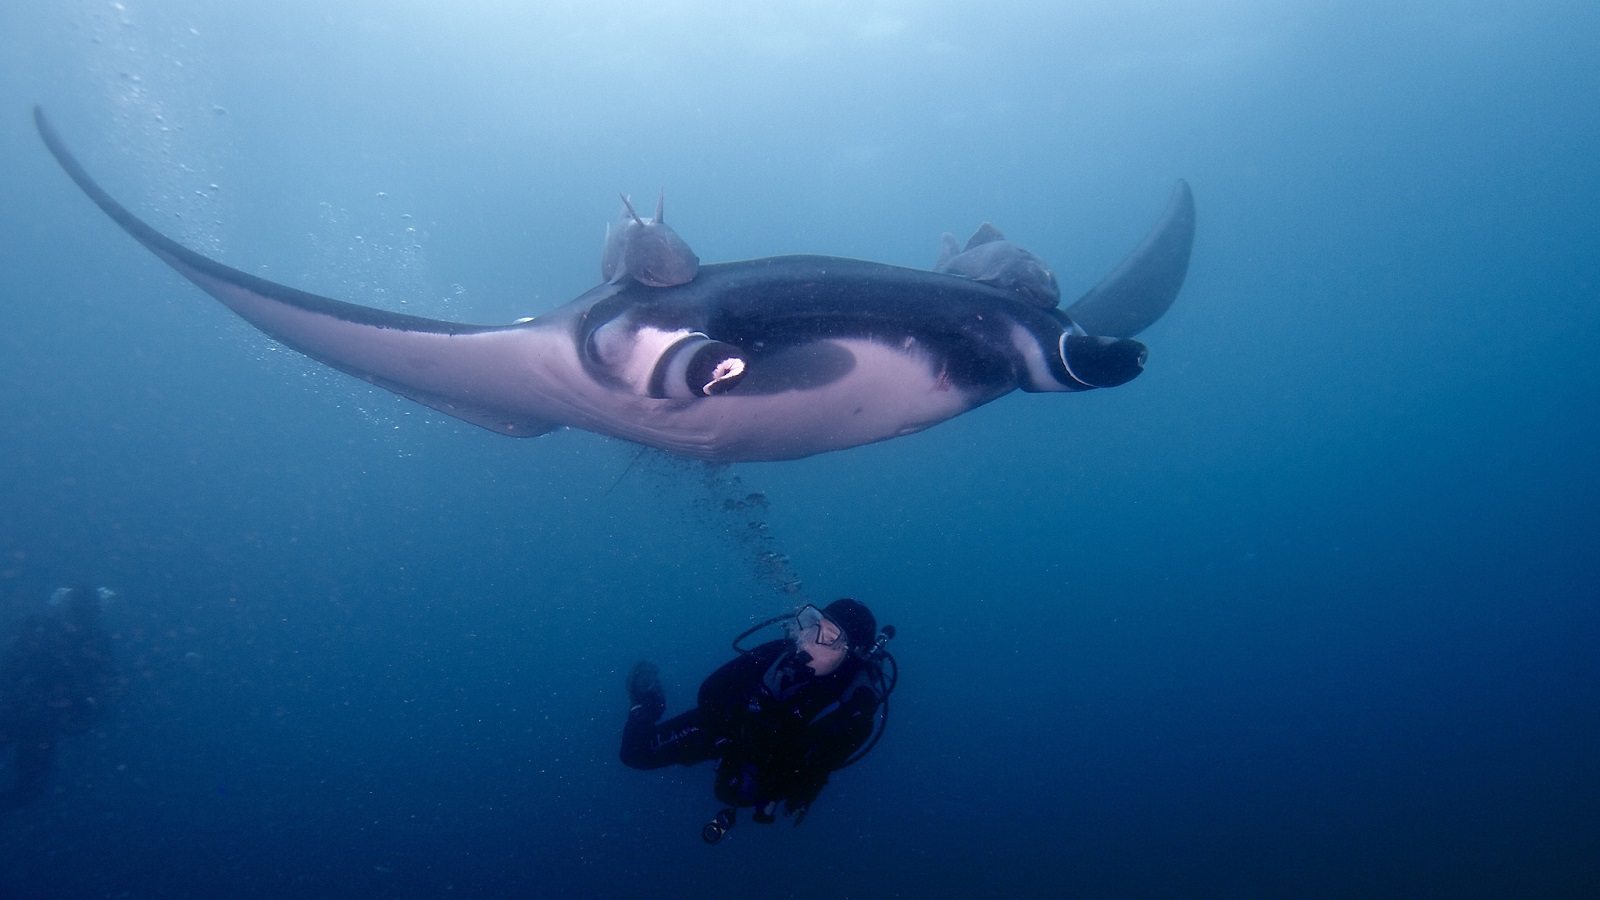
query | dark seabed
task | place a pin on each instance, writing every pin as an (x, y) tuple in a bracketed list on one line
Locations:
[(1309, 608)]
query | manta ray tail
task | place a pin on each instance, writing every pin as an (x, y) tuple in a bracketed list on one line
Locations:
[(1143, 286)]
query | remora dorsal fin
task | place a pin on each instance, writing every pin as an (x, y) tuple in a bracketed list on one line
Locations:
[(986, 234)]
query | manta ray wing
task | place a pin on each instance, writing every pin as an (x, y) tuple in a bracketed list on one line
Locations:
[(485, 375), (1139, 290)]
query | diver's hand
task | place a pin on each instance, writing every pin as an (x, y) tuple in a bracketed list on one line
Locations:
[(797, 808)]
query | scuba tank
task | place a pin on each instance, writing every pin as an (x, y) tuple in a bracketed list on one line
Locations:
[(884, 683)]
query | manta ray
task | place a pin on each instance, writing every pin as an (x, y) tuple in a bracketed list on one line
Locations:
[(763, 359)]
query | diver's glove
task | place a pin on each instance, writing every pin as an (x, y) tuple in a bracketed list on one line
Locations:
[(648, 700), (800, 800), (797, 808)]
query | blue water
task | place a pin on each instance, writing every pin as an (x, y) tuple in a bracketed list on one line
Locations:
[(1310, 608)]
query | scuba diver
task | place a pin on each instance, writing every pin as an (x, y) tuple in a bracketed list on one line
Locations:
[(779, 718), (56, 679)]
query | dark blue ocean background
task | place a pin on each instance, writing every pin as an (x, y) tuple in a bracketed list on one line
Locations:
[(1309, 609)]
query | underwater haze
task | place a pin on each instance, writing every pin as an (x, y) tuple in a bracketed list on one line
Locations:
[(1310, 608)]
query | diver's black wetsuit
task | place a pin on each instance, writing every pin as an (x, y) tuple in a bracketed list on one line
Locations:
[(56, 678), (777, 729)]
